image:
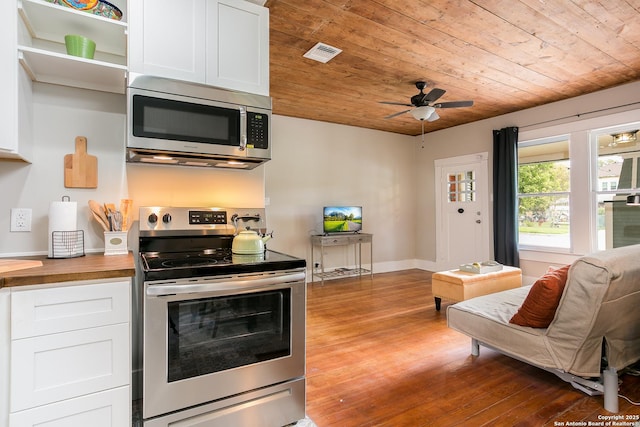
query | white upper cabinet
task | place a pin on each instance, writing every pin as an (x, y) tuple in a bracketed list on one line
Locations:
[(166, 39), (240, 31), (15, 102), (222, 43)]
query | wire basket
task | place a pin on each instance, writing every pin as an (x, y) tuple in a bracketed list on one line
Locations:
[(67, 244)]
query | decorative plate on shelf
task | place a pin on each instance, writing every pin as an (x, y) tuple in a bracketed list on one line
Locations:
[(81, 4), (108, 10), (96, 7)]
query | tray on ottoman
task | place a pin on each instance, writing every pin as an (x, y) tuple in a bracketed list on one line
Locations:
[(481, 267)]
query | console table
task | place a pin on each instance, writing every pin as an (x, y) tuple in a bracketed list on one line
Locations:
[(356, 239)]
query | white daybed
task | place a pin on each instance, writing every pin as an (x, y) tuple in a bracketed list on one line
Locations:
[(597, 319)]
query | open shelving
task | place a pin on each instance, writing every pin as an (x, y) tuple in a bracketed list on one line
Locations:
[(42, 53)]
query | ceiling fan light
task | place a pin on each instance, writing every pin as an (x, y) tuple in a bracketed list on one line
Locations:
[(433, 117), (423, 113)]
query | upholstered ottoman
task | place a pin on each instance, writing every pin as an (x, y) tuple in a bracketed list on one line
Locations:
[(459, 285)]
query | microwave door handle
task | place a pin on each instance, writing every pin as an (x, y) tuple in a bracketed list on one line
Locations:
[(243, 129)]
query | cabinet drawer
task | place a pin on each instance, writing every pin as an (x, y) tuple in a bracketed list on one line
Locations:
[(109, 408), (67, 308), (52, 368), (335, 241), (359, 239)]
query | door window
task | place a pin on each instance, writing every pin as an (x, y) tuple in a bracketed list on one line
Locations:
[(461, 186)]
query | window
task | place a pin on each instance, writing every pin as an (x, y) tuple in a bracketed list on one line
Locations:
[(618, 175), (601, 158), (544, 193)]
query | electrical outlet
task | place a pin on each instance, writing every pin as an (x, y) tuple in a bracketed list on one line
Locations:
[(20, 219)]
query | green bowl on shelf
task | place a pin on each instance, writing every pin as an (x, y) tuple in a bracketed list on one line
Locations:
[(80, 46)]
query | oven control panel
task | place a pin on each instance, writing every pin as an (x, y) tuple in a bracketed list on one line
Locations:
[(221, 221), (207, 217)]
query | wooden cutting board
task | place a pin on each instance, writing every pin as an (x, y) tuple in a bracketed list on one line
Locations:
[(80, 168), (17, 264)]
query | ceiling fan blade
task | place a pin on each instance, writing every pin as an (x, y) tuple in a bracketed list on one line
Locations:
[(433, 117), (395, 103), (396, 114), (453, 104), (434, 94)]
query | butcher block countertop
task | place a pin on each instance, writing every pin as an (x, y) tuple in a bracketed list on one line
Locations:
[(88, 267)]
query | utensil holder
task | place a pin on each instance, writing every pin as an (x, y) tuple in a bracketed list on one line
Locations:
[(115, 243), (67, 244)]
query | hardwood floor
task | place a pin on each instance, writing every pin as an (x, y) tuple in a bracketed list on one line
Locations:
[(379, 354)]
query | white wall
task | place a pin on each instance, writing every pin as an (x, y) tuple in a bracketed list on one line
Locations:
[(318, 164)]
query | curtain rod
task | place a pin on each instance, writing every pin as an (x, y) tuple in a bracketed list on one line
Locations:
[(580, 114)]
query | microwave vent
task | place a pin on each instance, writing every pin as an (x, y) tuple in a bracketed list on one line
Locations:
[(156, 157)]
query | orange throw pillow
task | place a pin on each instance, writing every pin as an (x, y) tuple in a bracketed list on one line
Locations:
[(539, 308)]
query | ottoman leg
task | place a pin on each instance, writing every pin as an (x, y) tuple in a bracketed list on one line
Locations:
[(438, 300)]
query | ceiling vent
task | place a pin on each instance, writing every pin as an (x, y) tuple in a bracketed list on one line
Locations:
[(322, 53)]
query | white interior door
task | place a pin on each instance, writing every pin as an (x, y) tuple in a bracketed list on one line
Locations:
[(462, 220)]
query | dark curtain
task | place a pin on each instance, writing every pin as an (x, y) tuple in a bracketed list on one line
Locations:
[(505, 190)]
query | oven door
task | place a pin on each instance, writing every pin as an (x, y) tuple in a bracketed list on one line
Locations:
[(210, 338)]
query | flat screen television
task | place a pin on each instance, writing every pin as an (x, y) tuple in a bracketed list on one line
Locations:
[(342, 219)]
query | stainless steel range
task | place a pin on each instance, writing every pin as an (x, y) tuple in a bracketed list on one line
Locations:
[(223, 334)]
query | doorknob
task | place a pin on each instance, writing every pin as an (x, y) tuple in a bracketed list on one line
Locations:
[(460, 210), (478, 221)]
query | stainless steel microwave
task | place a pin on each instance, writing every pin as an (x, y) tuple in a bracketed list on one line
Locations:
[(178, 123)]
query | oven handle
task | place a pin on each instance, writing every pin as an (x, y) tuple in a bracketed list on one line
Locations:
[(240, 283)]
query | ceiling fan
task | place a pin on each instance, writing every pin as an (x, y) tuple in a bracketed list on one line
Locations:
[(425, 104)]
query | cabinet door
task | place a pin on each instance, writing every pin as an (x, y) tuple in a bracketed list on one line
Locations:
[(105, 409), (9, 100), (5, 346), (167, 38), (16, 101), (238, 46), (56, 367)]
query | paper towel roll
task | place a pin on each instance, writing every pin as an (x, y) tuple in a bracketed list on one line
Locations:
[(63, 216)]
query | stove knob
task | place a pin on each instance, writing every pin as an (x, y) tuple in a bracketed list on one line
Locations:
[(166, 218), (153, 218)]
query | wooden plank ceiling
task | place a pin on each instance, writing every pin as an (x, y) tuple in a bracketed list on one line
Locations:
[(505, 55)]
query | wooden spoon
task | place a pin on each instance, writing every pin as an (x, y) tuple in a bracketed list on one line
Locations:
[(98, 213)]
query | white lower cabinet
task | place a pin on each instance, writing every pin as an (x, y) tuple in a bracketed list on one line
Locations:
[(71, 354), (103, 409)]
